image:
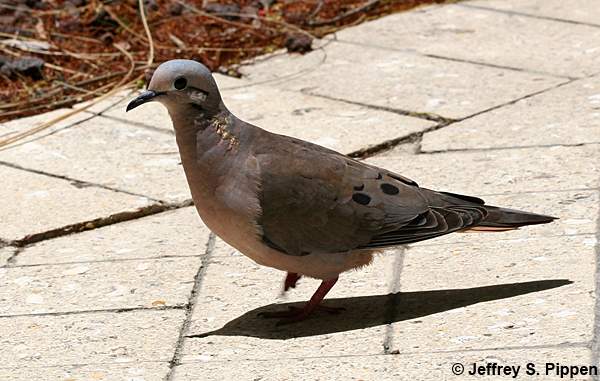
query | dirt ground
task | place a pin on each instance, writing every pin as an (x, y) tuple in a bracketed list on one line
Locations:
[(56, 53)]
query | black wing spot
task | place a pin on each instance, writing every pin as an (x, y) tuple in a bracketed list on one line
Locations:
[(361, 198), (359, 188), (389, 189)]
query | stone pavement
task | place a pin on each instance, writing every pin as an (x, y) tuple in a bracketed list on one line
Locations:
[(107, 273)]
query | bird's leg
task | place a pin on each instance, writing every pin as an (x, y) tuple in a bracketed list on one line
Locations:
[(290, 281), (294, 314)]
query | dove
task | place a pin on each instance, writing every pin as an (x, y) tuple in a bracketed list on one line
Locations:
[(296, 206)]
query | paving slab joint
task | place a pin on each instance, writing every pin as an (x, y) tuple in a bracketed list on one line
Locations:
[(413, 138), (112, 260), (442, 121), (99, 222), (503, 67), (486, 149), (74, 182), (527, 96), (103, 310), (189, 310), (415, 114), (562, 345), (525, 14), (455, 59)]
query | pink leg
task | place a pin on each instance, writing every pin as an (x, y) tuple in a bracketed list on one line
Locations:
[(298, 314), (290, 281)]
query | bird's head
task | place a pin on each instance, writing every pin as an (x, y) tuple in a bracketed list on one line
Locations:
[(180, 85)]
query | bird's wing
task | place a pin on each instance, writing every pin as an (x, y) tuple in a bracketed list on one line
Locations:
[(316, 200)]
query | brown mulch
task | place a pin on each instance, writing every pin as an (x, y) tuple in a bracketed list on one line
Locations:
[(55, 53)]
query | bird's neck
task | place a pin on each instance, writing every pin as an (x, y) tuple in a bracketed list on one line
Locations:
[(207, 143), (198, 134)]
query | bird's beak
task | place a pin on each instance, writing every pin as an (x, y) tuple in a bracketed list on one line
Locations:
[(144, 97)]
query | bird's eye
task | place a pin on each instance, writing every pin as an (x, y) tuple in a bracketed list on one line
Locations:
[(180, 83)]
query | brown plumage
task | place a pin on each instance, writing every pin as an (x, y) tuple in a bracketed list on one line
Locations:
[(297, 206)]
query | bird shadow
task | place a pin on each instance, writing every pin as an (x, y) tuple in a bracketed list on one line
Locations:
[(373, 310)]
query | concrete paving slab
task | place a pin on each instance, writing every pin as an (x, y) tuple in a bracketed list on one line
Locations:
[(140, 371), (113, 154), (400, 80), (496, 294), (567, 115), (97, 286), (420, 366), (172, 233), (337, 125), (492, 172), (584, 11), (34, 203), (235, 290), (130, 337), (482, 35)]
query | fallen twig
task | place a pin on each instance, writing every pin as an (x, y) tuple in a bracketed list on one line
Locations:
[(148, 34), (121, 85), (221, 19)]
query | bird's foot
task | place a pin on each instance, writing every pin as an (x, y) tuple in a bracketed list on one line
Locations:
[(296, 314)]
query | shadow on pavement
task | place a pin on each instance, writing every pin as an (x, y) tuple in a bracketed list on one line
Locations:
[(373, 310)]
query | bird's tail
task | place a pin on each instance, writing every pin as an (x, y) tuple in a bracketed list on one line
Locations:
[(501, 219), (496, 219)]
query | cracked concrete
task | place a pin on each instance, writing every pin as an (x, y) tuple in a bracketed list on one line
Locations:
[(109, 274), (554, 10), (394, 79), (482, 35), (192, 301)]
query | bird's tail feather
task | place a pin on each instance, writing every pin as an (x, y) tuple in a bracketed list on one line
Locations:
[(496, 220), (499, 219)]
